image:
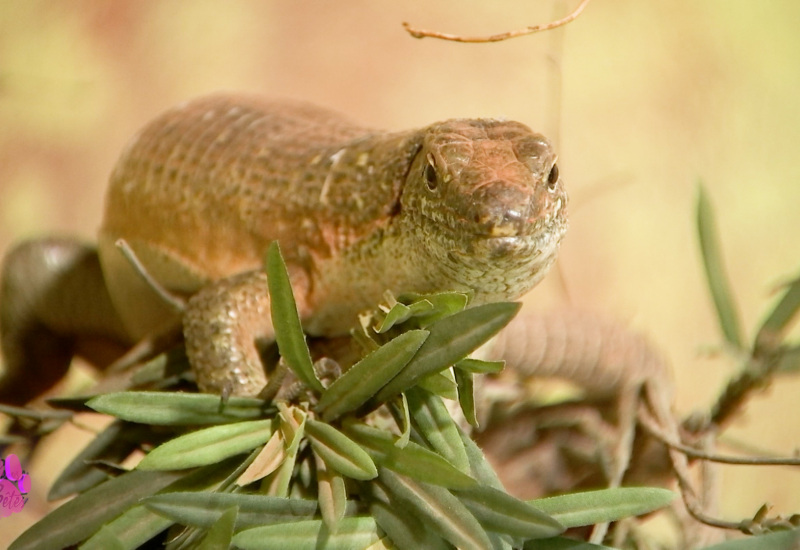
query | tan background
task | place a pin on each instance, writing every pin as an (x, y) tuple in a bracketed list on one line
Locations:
[(644, 98)]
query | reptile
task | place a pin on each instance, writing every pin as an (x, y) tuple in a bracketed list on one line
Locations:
[(474, 205)]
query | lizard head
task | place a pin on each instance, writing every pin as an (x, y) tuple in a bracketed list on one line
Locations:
[(487, 201)]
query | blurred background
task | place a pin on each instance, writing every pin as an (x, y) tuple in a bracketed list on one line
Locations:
[(644, 99)]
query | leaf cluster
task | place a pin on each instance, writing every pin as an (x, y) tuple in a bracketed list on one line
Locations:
[(373, 459)]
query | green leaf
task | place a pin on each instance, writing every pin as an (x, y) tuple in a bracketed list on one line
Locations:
[(353, 533), (479, 366), (500, 512), (113, 444), (466, 396), (591, 507), (105, 540), (413, 460), (400, 313), (177, 408), (130, 530), (444, 305), (780, 317), (405, 416), (163, 370), (80, 517), (339, 451), (715, 271), (208, 446), (441, 383), (365, 378), (405, 530), (450, 340), (331, 495), (202, 509), (136, 526), (563, 543), (288, 331), (479, 466), (435, 424), (442, 511), (780, 540), (790, 360), (221, 533)]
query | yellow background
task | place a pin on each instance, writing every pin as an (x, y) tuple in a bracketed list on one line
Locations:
[(643, 98)]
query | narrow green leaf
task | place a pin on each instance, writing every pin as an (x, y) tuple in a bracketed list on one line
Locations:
[(405, 530), (44, 416), (441, 510), (435, 424), (414, 460), (450, 340), (405, 435), (132, 529), (331, 495), (113, 444), (466, 396), (780, 317), (780, 540), (80, 517), (479, 466), (790, 360), (353, 533), (202, 509), (177, 408), (591, 507), (221, 533), (500, 512), (105, 540), (715, 271), (339, 451), (365, 378), (441, 383), (288, 331), (444, 304), (399, 313), (479, 366), (208, 446), (563, 543), (165, 367)]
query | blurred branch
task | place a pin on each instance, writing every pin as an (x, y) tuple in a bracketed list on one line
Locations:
[(422, 33)]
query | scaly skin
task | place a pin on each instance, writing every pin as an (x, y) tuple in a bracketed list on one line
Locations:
[(201, 191)]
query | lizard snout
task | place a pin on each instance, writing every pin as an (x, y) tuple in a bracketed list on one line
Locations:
[(502, 212)]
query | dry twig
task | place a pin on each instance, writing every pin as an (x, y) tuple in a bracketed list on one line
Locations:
[(422, 33)]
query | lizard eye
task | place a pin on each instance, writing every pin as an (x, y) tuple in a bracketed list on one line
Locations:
[(552, 177), (431, 177)]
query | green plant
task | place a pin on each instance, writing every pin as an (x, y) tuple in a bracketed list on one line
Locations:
[(371, 458)]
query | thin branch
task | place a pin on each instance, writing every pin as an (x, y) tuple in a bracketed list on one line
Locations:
[(422, 33), (176, 302), (652, 427)]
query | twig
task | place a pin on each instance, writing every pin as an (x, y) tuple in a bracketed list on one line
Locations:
[(422, 33), (174, 301), (652, 427)]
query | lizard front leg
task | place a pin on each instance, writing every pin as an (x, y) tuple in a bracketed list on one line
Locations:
[(226, 324), (53, 300)]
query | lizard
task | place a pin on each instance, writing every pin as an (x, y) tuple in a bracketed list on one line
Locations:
[(198, 194), (475, 205)]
